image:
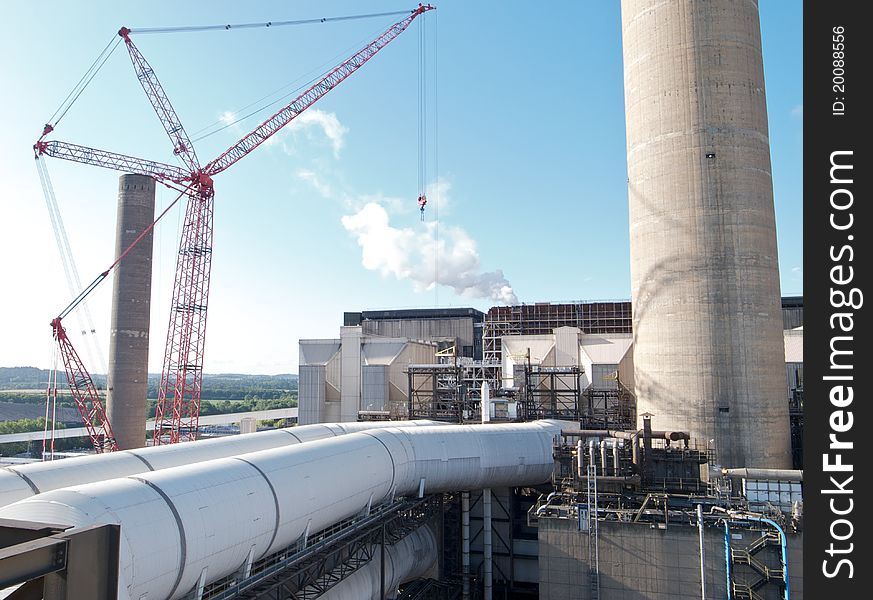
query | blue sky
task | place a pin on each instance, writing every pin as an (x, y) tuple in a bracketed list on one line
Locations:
[(526, 145)]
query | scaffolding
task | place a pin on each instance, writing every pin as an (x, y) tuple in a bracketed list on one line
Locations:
[(545, 317)]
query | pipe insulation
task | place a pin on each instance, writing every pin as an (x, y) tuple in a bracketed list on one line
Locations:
[(408, 559), (23, 481), (200, 522)]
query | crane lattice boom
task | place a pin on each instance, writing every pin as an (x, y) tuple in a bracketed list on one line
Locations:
[(178, 407)]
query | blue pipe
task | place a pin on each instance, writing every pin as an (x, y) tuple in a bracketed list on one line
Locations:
[(784, 543), (727, 559)]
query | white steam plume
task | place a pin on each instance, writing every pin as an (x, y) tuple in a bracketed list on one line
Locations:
[(409, 254)]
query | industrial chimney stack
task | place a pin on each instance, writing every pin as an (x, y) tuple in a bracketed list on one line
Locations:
[(708, 346), (131, 301)]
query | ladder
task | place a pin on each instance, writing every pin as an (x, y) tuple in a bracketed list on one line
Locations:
[(593, 541)]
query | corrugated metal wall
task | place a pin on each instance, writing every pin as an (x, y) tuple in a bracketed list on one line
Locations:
[(311, 394)]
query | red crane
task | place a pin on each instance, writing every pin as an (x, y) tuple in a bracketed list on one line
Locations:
[(178, 406)]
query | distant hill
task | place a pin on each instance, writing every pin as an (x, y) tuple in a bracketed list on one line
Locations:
[(221, 386)]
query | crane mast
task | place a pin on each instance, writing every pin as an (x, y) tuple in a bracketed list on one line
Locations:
[(178, 407)]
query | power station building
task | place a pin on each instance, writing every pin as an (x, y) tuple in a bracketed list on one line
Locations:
[(595, 451), (356, 375)]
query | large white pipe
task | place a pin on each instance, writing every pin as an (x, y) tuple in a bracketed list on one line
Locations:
[(202, 521), (411, 557), (23, 481)]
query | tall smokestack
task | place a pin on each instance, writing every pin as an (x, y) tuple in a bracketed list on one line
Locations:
[(708, 349), (131, 300)]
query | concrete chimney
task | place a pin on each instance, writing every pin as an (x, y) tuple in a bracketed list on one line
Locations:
[(708, 348), (131, 301)]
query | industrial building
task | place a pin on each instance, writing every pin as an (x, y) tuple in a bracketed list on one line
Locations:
[(604, 451), (356, 375)]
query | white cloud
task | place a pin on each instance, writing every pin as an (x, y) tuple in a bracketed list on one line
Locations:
[(405, 253), (797, 111), (312, 178), (330, 126)]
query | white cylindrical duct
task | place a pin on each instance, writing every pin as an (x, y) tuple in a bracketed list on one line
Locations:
[(179, 521), (23, 481), (411, 557)]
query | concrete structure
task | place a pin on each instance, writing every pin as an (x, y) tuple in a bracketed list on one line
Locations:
[(127, 380), (357, 372), (705, 281)]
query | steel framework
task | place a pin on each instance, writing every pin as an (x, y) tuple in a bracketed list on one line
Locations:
[(314, 565), (543, 318)]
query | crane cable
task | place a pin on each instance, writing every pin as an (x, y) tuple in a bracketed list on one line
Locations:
[(318, 72), (99, 279), (68, 261), (84, 81), (422, 117), (85, 320), (436, 159)]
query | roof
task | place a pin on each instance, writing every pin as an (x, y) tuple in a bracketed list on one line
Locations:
[(606, 349), (516, 347), (317, 352), (381, 351)]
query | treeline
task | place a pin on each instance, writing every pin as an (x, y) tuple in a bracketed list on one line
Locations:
[(223, 386), (208, 407), (26, 425)]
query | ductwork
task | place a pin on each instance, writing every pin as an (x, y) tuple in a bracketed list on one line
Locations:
[(200, 522), (764, 474), (23, 481), (408, 559)]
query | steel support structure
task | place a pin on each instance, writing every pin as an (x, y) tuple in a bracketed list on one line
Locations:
[(321, 560), (551, 393)]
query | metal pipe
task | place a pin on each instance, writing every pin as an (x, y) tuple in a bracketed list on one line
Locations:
[(672, 436), (180, 520), (407, 559), (702, 563), (615, 465), (727, 559), (580, 459), (23, 481), (603, 469), (486, 545), (592, 460), (765, 474), (783, 542), (465, 544)]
